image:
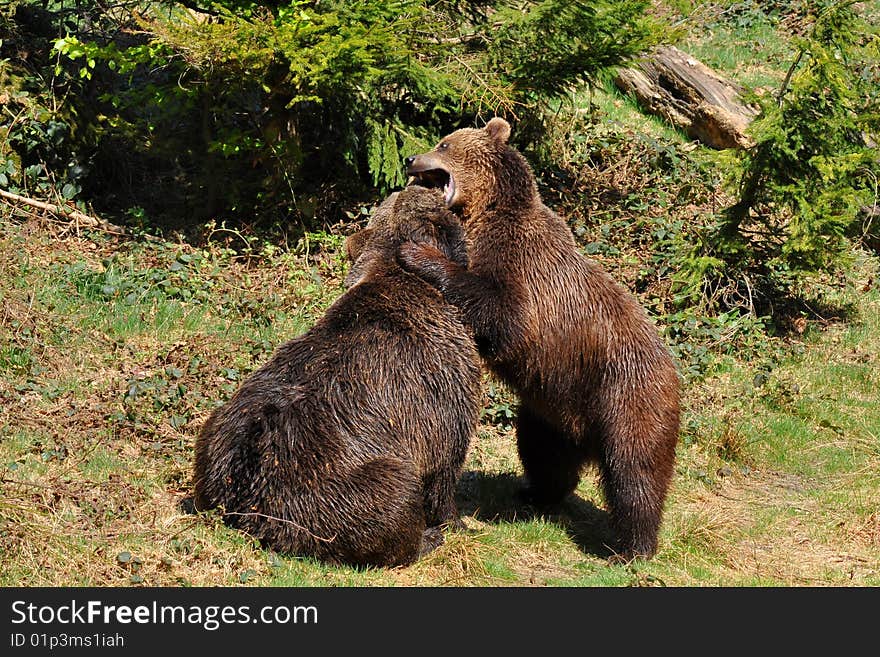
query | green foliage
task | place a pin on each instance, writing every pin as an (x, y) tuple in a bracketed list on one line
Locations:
[(501, 407), (546, 48), (697, 340), (187, 277), (813, 166), (45, 115), (294, 111)]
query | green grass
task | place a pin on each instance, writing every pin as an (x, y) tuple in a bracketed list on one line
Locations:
[(621, 110), (752, 55)]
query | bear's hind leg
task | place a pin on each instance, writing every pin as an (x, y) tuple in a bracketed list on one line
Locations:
[(551, 460), (635, 479), (372, 515)]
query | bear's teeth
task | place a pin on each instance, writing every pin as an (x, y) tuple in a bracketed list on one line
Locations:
[(449, 190)]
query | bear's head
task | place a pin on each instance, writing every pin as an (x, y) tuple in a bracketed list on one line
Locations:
[(417, 214), (477, 170)]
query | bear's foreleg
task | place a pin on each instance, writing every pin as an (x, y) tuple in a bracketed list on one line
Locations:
[(440, 508), (493, 310)]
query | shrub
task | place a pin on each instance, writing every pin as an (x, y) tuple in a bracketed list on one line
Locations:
[(814, 165)]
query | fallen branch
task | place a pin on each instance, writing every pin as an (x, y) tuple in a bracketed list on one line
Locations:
[(691, 96), (76, 215)]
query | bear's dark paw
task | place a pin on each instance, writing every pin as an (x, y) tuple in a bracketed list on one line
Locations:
[(432, 538), (425, 261), (187, 505)]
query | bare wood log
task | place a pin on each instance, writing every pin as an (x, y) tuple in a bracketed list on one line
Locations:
[(76, 215), (690, 95)]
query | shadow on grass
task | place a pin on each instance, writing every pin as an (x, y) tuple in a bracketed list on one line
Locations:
[(494, 498)]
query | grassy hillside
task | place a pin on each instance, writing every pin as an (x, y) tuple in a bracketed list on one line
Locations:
[(113, 352)]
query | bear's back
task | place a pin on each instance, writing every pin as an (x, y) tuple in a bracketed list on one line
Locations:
[(367, 378)]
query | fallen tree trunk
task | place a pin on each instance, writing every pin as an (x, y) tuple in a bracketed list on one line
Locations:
[(672, 84)]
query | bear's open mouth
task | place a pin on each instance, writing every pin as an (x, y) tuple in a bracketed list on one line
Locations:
[(437, 179)]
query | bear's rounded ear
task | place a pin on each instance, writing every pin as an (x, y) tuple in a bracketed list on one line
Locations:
[(498, 129), (354, 244)]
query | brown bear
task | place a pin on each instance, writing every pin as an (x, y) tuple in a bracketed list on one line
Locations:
[(596, 382), (347, 444)]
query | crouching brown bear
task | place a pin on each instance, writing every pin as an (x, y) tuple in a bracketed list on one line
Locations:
[(347, 444), (596, 382)]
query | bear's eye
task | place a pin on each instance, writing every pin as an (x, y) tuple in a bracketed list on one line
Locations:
[(443, 146)]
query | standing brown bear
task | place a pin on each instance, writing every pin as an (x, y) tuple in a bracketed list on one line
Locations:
[(347, 444), (596, 383)]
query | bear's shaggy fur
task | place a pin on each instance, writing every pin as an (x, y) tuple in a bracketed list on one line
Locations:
[(596, 382), (347, 444)]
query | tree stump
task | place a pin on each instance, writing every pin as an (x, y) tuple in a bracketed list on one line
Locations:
[(690, 95)]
